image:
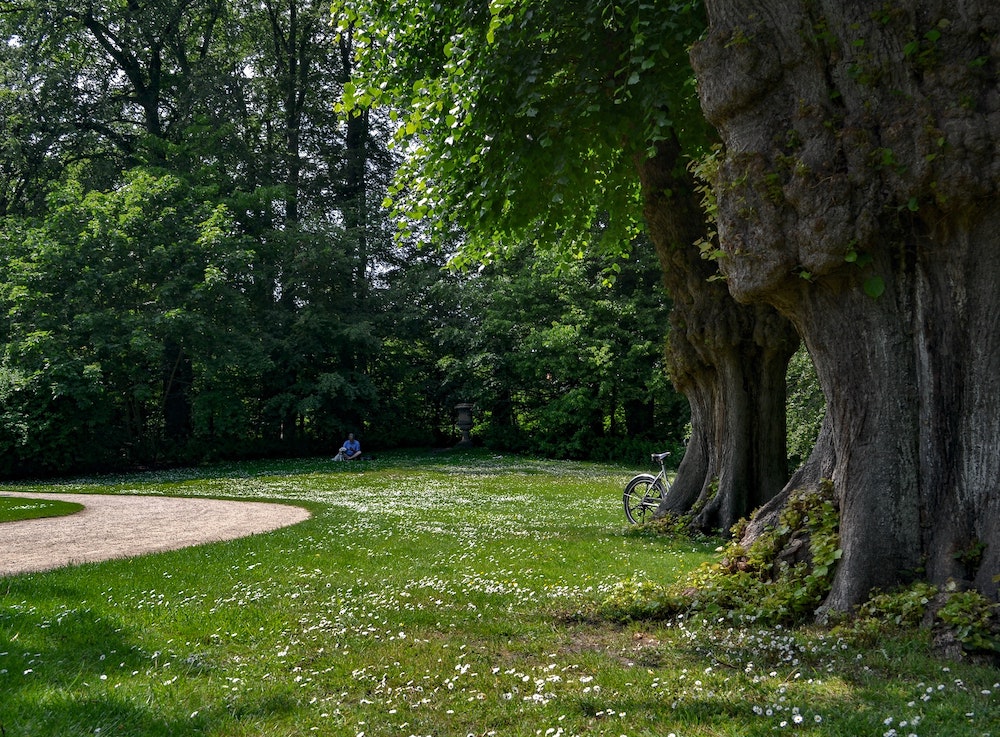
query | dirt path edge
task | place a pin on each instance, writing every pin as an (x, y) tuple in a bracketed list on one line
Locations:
[(123, 526)]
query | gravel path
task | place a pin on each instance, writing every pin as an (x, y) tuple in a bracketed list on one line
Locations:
[(124, 526)]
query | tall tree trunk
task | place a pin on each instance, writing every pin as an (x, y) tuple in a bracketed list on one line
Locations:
[(357, 153), (356, 191), (355, 186), (178, 375), (293, 66), (729, 360), (859, 197), (292, 38)]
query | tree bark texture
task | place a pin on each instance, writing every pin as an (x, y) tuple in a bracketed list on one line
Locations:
[(728, 359), (858, 196)]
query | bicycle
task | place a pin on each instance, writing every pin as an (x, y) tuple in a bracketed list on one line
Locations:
[(645, 491)]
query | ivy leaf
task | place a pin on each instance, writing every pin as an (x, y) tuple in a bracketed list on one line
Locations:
[(874, 287)]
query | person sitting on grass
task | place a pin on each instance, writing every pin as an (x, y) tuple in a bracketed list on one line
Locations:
[(351, 450)]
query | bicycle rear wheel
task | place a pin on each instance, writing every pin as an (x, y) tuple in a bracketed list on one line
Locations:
[(642, 496)]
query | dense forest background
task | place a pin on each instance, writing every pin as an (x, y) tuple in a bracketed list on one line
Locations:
[(195, 263)]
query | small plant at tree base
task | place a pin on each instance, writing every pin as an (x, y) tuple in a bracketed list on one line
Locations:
[(904, 607), (972, 555), (888, 611), (973, 619), (959, 618)]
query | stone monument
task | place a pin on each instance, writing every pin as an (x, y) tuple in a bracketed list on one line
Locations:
[(464, 423)]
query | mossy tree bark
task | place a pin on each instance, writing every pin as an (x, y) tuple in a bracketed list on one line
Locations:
[(858, 196)]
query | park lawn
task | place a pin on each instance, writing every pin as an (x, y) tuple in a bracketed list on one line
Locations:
[(13, 508), (450, 594)]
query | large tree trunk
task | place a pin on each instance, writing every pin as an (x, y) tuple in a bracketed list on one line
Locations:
[(357, 156), (859, 197), (728, 359)]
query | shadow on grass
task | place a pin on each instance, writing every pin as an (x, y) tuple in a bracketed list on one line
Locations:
[(69, 671)]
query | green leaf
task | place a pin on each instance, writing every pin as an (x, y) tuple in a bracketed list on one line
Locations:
[(874, 287)]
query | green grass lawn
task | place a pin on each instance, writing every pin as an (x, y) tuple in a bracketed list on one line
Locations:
[(436, 595), (18, 508)]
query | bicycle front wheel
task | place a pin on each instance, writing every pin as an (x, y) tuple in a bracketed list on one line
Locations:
[(642, 496)]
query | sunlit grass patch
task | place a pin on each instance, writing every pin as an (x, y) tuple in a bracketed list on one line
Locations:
[(19, 508)]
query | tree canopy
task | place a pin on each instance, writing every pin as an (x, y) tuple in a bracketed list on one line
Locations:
[(514, 128)]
